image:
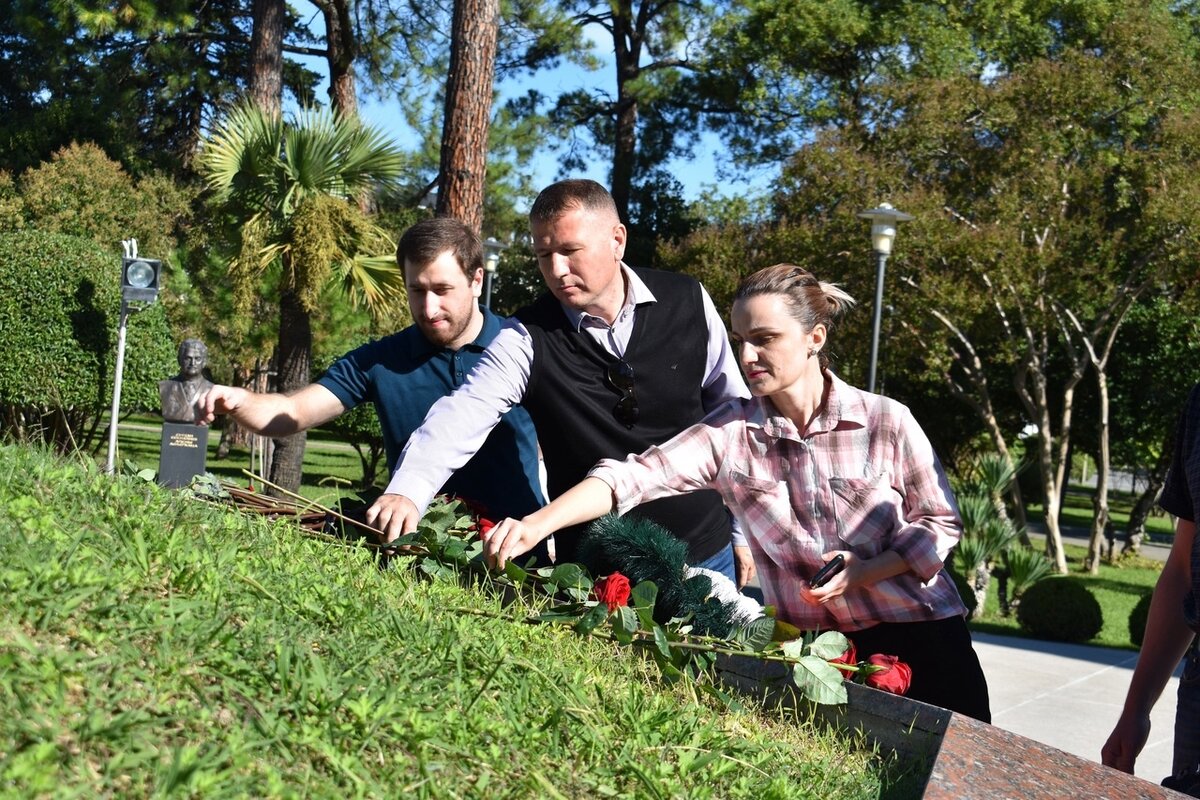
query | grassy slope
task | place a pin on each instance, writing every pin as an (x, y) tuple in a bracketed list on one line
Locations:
[(151, 644)]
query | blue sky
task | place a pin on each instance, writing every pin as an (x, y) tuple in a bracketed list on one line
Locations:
[(694, 174)]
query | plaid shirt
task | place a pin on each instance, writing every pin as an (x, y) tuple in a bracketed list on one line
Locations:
[(864, 479)]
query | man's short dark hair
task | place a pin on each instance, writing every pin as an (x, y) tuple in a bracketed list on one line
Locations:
[(422, 243), (559, 198)]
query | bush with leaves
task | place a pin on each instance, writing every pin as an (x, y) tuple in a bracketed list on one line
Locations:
[(360, 427), (1060, 609), (1138, 618), (1023, 567), (82, 192), (988, 532), (59, 311), (12, 207), (985, 537)]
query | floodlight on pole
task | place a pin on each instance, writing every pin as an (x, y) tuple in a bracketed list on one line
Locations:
[(883, 233), (139, 284), (492, 249)]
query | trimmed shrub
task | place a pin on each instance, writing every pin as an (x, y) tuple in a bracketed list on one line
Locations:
[(60, 301), (1061, 609), (1138, 617)]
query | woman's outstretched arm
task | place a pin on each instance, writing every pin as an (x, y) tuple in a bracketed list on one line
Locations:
[(585, 501)]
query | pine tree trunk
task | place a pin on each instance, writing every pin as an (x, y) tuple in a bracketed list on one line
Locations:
[(627, 50), (468, 111), (342, 47), (266, 56), (295, 366)]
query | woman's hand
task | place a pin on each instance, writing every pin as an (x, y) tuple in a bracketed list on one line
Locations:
[(743, 566), (858, 573), (849, 577), (511, 538)]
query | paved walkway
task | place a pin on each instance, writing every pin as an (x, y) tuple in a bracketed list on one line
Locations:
[(1069, 696)]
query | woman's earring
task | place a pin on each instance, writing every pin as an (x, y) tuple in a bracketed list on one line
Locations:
[(812, 351)]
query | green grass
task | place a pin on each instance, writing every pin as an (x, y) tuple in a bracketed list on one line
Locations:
[(1077, 512), (154, 645), (331, 467), (1117, 589)]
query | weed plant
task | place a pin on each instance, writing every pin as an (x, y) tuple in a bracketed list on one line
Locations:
[(153, 645)]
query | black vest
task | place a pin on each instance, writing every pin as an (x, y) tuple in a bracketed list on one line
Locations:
[(571, 404)]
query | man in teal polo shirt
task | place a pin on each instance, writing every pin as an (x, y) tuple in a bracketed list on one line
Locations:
[(405, 373)]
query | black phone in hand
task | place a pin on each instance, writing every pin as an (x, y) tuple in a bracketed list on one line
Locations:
[(832, 567)]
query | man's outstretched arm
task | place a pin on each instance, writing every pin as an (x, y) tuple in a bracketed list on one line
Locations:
[(270, 414), (455, 428)]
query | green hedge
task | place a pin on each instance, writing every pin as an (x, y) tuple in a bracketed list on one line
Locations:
[(59, 314), (1060, 609)]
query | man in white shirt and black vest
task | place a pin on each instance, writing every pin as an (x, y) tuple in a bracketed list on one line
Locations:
[(610, 361)]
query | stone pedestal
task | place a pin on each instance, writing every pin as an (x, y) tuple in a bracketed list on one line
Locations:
[(183, 454), (965, 758)]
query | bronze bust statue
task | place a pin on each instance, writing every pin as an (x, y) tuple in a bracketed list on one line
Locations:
[(179, 394)]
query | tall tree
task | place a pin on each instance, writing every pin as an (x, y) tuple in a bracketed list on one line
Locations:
[(1046, 196), (1076, 153), (468, 110), (341, 49), (779, 71), (141, 80), (266, 55), (1152, 368), (653, 44), (285, 190)]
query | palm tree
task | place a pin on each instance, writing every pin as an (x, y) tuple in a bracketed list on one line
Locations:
[(287, 191)]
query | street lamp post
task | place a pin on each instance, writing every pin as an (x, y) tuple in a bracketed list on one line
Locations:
[(883, 232), (492, 248), (139, 285)]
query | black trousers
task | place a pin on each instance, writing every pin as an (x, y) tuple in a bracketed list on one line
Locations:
[(945, 668)]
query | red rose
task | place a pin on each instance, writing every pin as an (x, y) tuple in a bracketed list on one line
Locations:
[(613, 591), (485, 526), (849, 657), (895, 676)]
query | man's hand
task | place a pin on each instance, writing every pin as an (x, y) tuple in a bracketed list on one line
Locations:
[(219, 400), (743, 565), (509, 539), (394, 514), (1126, 742)]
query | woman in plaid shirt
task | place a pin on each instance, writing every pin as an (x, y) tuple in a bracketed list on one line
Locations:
[(813, 468)]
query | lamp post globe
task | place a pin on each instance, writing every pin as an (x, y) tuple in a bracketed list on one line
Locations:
[(492, 249), (883, 221), (139, 274)]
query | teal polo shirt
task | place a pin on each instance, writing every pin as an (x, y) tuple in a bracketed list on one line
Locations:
[(404, 375)]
